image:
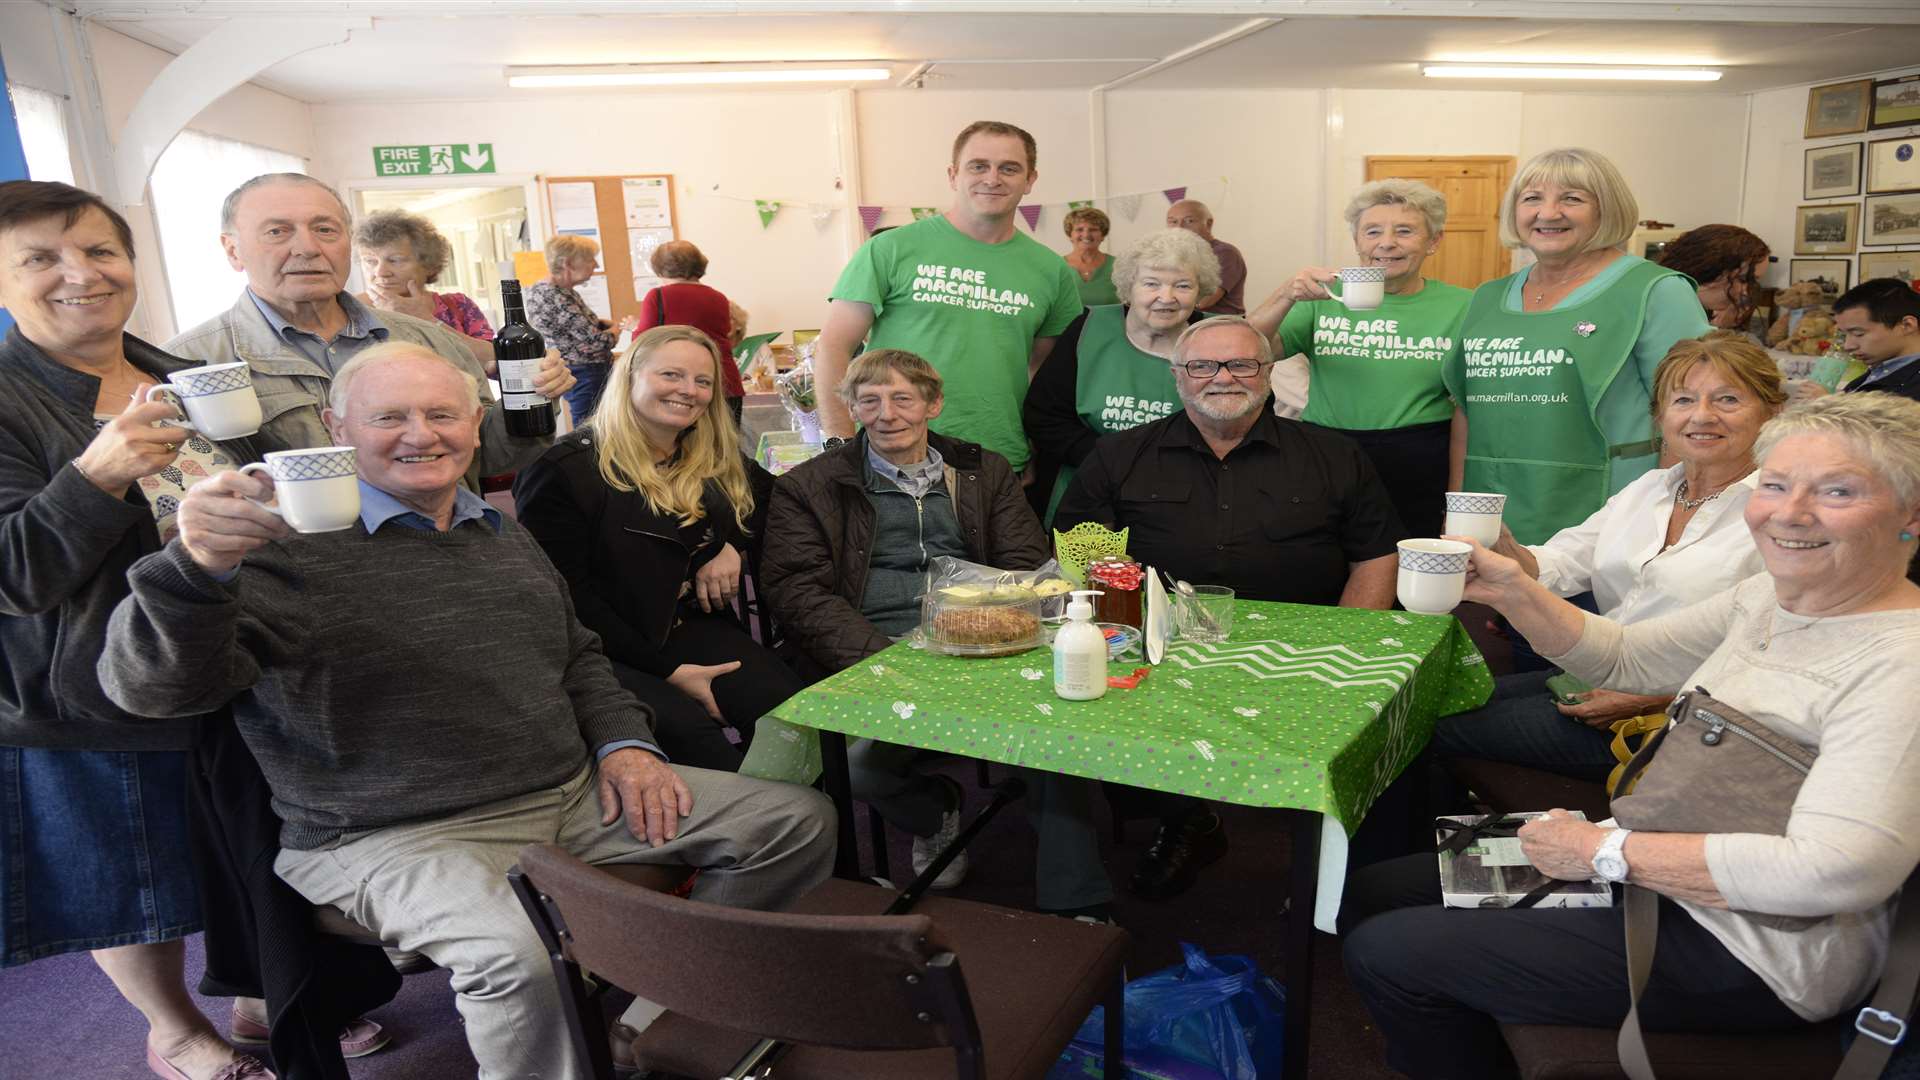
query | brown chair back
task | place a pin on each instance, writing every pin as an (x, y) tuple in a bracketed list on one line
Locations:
[(866, 982)]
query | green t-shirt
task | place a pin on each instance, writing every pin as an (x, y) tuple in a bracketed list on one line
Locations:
[(973, 311), (1379, 369), (1098, 290)]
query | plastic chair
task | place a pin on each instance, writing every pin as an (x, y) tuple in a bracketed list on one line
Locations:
[(831, 990)]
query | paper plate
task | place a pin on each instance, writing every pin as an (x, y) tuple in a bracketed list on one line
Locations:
[(1159, 624)]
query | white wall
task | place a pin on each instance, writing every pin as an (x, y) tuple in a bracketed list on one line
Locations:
[(1776, 167), (26, 43)]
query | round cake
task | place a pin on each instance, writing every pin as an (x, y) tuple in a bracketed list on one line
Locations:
[(969, 620)]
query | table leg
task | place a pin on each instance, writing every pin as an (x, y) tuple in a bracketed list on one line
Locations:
[(833, 773), (1303, 887)]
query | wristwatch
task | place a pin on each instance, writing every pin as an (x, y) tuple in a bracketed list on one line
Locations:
[(1610, 861), (833, 442)]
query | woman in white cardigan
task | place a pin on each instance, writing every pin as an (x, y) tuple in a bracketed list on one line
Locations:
[(1665, 541)]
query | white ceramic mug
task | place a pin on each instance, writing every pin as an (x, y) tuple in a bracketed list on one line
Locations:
[(315, 490), (218, 400), (1475, 514), (1432, 575), (1362, 288)]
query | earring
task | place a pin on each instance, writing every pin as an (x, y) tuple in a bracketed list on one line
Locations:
[(1905, 536)]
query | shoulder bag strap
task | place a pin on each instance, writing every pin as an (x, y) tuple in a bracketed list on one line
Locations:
[(1643, 933), (1882, 1023)]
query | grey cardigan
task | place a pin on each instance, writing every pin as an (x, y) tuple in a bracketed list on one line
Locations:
[(65, 547)]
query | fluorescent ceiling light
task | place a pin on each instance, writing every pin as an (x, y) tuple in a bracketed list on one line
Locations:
[(1537, 71), (688, 75)]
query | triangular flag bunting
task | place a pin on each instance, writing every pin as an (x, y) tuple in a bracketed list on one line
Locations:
[(1128, 205), (1030, 211), (920, 212), (820, 215), (1175, 194), (1079, 204), (766, 208), (870, 216)]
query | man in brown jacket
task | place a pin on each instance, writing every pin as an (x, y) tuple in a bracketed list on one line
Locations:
[(850, 535)]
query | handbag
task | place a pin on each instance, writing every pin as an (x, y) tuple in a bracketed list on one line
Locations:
[(1713, 769), (1633, 727)]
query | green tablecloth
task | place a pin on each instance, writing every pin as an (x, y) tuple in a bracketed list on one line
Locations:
[(1314, 708)]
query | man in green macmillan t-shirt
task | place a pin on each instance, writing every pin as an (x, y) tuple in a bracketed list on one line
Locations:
[(979, 300)]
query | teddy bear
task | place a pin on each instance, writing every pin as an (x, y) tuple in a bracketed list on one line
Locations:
[(1797, 297), (1814, 335)]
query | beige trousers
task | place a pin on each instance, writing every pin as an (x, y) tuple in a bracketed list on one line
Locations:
[(440, 888)]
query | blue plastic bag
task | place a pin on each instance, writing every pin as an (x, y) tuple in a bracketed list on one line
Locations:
[(1210, 1018)]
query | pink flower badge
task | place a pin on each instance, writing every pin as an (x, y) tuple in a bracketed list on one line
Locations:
[(1584, 329)]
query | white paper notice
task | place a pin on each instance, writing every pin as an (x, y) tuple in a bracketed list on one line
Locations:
[(641, 243), (594, 292), (647, 202), (575, 211)]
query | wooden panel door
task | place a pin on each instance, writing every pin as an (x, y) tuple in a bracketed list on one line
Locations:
[(1470, 252)]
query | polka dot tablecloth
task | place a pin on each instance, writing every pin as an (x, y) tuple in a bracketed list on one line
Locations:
[(1313, 708)]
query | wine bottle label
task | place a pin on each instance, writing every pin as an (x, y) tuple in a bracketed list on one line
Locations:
[(516, 380), (517, 401)]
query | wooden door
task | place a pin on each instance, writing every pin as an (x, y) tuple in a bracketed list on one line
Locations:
[(1470, 252)]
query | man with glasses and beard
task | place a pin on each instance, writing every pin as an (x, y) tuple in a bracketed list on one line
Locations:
[(1226, 493)]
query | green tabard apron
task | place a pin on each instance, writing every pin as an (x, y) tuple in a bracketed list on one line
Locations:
[(1117, 386), (1533, 382)]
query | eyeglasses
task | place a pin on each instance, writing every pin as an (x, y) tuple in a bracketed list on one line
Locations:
[(1239, 369)]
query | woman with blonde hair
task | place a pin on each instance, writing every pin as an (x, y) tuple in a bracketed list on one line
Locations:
[(1552, 371), (645, 511), (1087, 229)]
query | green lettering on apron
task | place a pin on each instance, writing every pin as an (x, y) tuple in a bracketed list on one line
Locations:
[(1117, 386), (1533, 381)]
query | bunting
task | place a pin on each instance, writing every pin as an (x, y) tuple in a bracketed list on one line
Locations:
[(1128, 205), (766, 208), (1175, 194), (1031, 211), (1079, 204), (870, 217), (820, 215), (920, 212)]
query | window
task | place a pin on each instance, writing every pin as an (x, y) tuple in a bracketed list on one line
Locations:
[(188, 185), (43, 133)]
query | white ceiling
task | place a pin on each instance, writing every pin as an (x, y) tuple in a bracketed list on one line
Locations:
[(456, 51)]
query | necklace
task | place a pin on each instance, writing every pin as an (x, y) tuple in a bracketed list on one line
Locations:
[(1774, 617), (1691, 505)]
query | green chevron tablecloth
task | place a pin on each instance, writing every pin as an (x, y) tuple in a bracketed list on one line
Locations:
[(1314, 708)]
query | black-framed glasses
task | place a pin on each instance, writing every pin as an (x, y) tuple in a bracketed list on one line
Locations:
[(1239, 369)]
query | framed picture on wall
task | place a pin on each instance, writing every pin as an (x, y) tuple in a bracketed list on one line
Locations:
[(1896, 102), (1832, 171), (1838, 108), (1904, 265), (1893, 219), (1826, 230), (1892, 165), (1830, 274)]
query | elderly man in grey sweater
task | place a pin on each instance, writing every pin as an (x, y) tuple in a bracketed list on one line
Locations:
[(424, 704)]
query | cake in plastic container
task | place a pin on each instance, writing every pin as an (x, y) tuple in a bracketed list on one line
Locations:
[(981, 620)]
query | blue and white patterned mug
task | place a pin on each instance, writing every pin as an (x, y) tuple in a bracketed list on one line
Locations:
[(1362, 288), (217, 400), (315, 490), (1432, 575), (1475, 514)]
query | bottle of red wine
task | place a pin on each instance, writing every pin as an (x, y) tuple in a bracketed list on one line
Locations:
[(518, 350)]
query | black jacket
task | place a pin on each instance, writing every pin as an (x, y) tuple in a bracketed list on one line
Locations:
[(1905, 382), (65, 547), (821, 524), (626, 563)]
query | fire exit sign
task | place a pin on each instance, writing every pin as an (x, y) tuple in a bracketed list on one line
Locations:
[(437, 159)]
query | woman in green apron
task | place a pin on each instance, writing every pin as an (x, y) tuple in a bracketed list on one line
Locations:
[(1374, 375), (1552, 372), (1109, 369), (1087, 228)]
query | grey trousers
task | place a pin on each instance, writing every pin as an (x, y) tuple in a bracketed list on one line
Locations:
[(440, 888), (1067, 870)]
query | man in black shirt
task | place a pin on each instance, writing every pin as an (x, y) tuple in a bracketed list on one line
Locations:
[(1226, 493)]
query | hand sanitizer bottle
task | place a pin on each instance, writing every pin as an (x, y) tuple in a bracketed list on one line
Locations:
[(1080, 653)]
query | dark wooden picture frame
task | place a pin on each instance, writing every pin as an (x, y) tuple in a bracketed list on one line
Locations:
[(1838, 108), (1806, 242), (1896, 102), (1799, 270), (1891, 220)]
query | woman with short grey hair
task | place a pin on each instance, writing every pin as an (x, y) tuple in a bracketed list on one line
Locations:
[(554, 308), (1117, 353), (400, 255), (1374, 373)]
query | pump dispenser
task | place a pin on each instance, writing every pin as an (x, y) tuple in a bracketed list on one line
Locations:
[(1080, 652)]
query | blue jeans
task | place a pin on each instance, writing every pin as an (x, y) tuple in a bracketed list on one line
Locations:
[(589, 380), (1520, 725)]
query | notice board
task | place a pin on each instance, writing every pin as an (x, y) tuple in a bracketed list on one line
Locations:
[(629, 216)]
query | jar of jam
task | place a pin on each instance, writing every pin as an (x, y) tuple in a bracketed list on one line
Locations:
[(1119, 580)]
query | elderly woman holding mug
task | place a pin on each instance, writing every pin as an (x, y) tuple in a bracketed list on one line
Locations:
[(1817, 653), (1122, 351), (1668, 540), (1552, 371), (93, 802), (585, 340), (1380, 387), (1087, 229), (400, 255)]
